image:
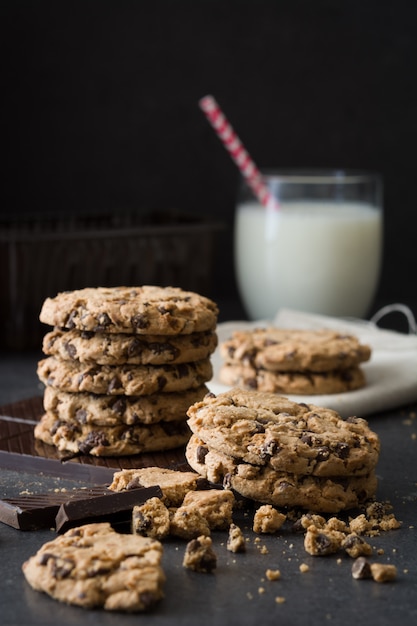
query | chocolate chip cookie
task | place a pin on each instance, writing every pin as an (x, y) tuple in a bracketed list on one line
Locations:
[(281, 350), (129, 380), (297, 438), (148, 309), (113, 410), (92, 566), (292, 383), (281, 489), (76, 438), (120, 348)]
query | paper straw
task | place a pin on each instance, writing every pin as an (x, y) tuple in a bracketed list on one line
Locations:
[(241, 157)]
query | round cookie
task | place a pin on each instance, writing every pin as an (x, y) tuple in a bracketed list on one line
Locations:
[(120, 348), (94, 566), (267, 429), (292, 383), (148, 309), (112, 410), (130, 380), (281, 489), (281, 350), (77, 438)]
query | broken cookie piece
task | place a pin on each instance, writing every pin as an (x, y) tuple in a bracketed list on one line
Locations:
[(151, 519), (267, 519), (235, 540), (199, 555), (215, 505)]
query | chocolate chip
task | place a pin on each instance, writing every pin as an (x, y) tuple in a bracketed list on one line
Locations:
[(201, 454), (71, 350), (227, 481), (103, 322), (342, 450), (361, 568), (114, 384), (92, 440), (323, 453), (134, 483), (139, 321), (307, 439), (161, 382), (135, 347), (322, 544), (119, 407), (44, 558), (70, 319), (182, 370), (269, 448), (81, 416)]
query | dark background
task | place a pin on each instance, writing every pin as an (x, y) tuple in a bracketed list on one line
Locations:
[(100, 107)]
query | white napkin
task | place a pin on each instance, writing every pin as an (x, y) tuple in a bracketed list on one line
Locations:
[(391, 373)]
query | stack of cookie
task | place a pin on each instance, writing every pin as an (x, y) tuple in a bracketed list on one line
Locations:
[(123, 365), (287, 454), (299, 362)]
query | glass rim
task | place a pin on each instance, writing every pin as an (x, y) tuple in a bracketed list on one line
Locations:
[(320, 175)]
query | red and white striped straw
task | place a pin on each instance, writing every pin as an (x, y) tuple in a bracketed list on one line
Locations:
[(235, 147)]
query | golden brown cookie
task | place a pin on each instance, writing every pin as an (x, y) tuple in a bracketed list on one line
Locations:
[(114, 410), (148, 309), (129, 380), (106, 348), (297, 438), (76, 438), (282, 350), (292, 383), (93, 566), (264, 484)]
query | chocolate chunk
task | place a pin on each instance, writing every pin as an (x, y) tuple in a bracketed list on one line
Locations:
[(36, 511), (361, 568), (114, 507)]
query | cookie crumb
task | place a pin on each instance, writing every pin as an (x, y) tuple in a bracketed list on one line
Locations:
[(199, 555), (304, 568), (235, 541), (273, 574), (280, 599), (267, 519), (382, 572)]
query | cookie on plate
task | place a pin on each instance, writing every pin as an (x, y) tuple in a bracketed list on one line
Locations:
[(147, 310), (297, 438), (295, 362), (93, 566), (292, 383), (281, 350)]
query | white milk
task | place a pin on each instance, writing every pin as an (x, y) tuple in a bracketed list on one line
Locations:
[(319, 257)]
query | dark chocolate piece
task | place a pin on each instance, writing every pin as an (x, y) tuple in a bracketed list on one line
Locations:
[(38, 511), (114, 507)]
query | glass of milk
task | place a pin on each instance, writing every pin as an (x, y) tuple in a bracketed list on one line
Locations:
[(319, 250)]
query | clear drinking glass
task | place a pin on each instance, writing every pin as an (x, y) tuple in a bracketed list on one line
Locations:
[(320, 251)]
